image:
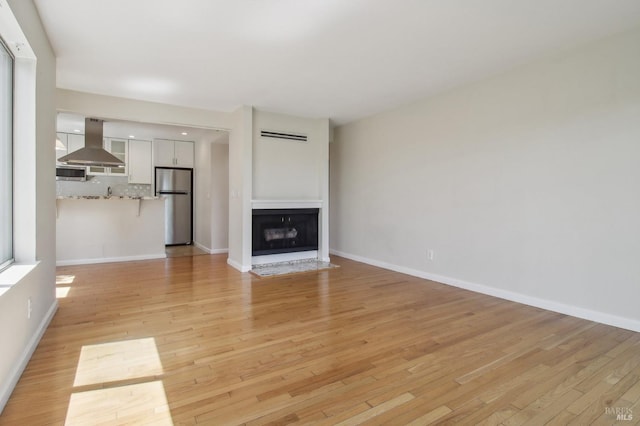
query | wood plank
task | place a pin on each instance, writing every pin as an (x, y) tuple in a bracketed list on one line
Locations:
[(431, 417), (377, 410)]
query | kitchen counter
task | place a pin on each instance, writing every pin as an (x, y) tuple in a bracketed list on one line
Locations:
[(102, 197), (97, 229)]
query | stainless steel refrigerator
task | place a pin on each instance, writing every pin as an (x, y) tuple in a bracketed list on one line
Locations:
[(175, 186)]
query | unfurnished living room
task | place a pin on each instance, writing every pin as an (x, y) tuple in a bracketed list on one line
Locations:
[(326, 212)]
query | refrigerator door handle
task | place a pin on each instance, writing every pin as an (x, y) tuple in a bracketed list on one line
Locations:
[(174, 192)]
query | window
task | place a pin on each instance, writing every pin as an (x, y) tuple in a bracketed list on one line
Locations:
[(6, 157)]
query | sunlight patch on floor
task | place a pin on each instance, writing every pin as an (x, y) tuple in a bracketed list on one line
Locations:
[(142, 403), (65, 279), (116, 361), (62, 292), (63, 285), (107, 374)]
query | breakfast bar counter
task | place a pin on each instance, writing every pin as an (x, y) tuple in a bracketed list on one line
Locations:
[(96, 229)]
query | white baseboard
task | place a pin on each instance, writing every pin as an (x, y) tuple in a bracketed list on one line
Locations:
[(109, 259), (202, 247), (219, 251), (550, 305), (18, 368), (210, 250), (238, 266)]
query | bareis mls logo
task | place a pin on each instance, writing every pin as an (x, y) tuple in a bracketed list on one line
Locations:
[(621, 413)]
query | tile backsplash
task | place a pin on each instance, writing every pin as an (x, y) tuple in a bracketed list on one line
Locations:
[(98, 185)]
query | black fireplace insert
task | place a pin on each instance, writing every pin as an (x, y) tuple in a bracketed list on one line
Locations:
[(284, 230)]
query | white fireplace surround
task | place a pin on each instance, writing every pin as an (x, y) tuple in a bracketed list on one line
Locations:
[(288, 204)]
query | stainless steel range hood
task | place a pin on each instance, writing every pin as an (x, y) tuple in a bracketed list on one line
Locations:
[(92, 154)]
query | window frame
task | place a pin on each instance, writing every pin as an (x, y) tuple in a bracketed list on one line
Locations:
[(25, 152), (8, 261)]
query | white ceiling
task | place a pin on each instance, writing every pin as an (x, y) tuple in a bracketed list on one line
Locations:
[(341, 59)]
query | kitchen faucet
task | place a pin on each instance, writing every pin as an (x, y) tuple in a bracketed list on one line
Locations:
[(109, 192)]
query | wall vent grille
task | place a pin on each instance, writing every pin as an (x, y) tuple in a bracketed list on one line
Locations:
[(281, 135)]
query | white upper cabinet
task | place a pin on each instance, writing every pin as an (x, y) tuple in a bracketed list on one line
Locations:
[(163, 151), (71, 141), (74, 142), (170, 153), (184, 154), (140, 167), (117, 147), (62, 137)]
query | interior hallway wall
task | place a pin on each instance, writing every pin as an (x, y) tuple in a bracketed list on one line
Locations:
[(211, 206)]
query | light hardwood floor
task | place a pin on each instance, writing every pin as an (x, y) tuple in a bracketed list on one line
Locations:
[(183, 250), (189, 340)]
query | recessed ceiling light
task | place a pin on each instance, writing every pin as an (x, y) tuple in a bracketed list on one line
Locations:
[(184, 133), (76, 130), (131, 137)]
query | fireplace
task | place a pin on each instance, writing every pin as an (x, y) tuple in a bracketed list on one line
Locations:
[(277, 231)]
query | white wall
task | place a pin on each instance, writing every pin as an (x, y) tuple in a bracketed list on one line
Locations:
[(285, 169), (201, 196), (240, 163), (212, 195), (19, 335), (525, 185), (219, 188)]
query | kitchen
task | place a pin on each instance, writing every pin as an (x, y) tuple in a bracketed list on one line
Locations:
[(110, 212)]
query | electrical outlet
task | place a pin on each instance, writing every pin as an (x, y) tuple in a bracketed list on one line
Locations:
[(29, 308), (430, 254)]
